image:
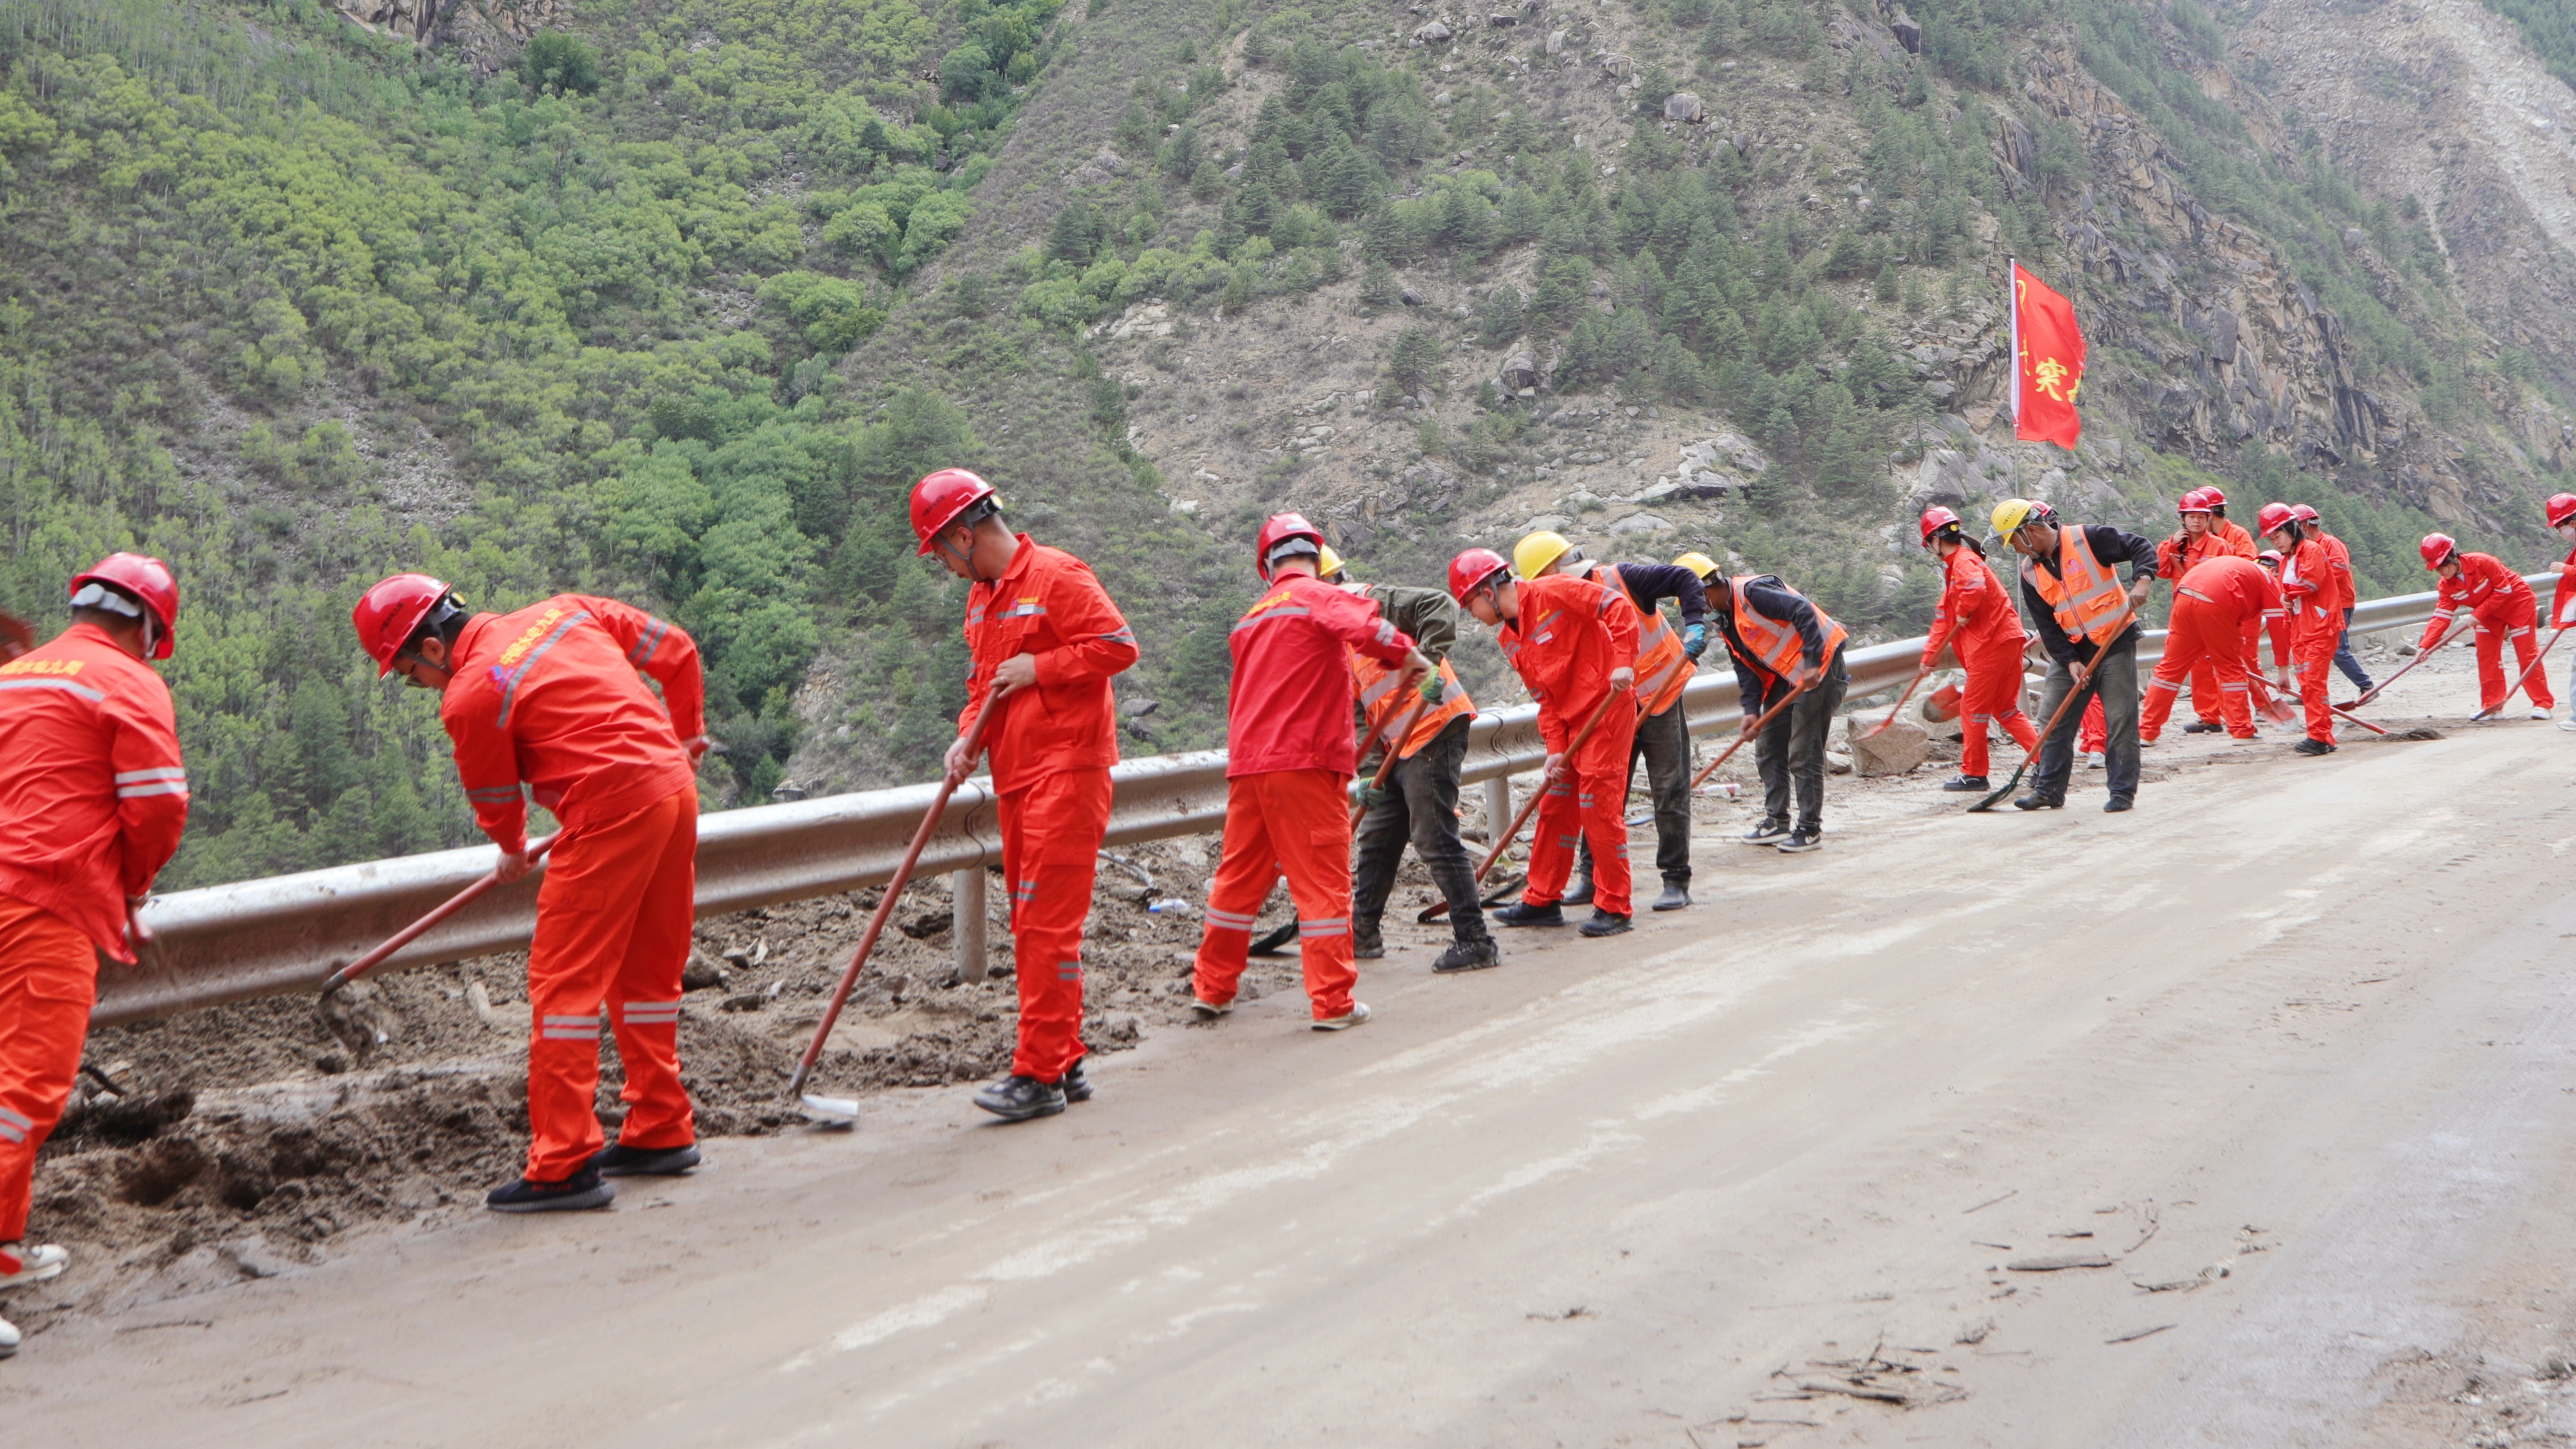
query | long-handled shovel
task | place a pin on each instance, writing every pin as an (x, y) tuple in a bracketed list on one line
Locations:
[(1755, 729), (1503, 841), (2054, 719), (2420, 656), (355, 1022), (1919, 676), (2284, 694), (844, 1111), (2525, 677), (1271, 944)]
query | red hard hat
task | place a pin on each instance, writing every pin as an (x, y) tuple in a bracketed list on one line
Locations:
[(2303, 513), (1280, 528), (2214, 496), (1469, 571), (2437, 548), (1936, 518), (388, 613), (149, 580), (939, 500), (2561, 508), (2196, 501), (2273, 518), (2270, 558)]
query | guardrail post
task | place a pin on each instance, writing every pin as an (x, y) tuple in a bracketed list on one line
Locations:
[(1498, 808), (966, 893)]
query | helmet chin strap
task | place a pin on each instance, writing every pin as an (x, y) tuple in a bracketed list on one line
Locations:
[(965, 556)]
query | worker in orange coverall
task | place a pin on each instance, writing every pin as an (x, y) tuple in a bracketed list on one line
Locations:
[(92, 800), (2306, 584), (2500, 604), (1574, 643), (550, 695), (1046, 641), (2205, 535), (2220, 609), (2560, 511), (1976, 618)]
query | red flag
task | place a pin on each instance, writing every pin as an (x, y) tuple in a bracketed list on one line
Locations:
[(2049, 352)]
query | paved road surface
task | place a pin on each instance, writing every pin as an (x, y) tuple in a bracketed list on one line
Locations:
[(2296, 1031)]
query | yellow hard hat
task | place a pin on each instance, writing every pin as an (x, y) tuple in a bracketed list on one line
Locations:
[(2011, 514), (1532, 555), (1698, 563), (1327, 563)]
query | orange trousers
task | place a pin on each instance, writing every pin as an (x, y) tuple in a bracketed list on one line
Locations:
[(48, 978), (2206, 640), (1992, 696), (2493, 682), (1296, 823), (1590, 801), (1051, 833), (612, 927), (2313, 649)]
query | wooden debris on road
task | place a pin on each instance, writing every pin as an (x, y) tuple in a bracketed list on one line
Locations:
[(2055, 1262), (2133, 1337), (1873, 1376)]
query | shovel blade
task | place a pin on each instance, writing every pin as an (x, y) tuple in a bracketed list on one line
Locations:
[(824, 1111), (1991, 801)]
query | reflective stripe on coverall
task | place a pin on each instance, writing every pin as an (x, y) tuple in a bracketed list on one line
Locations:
[(2305, 583), (48, 978), (1979, 623), (1570, 635), (2217, 608), (2501, 605)]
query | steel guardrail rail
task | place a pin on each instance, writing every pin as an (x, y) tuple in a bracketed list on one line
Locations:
[(283, 934)]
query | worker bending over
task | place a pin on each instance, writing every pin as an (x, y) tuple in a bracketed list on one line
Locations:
[(1420, 801), (1289, 757), (1977, 621), (2560, 512), (1574, 644), (2499, 604), (1783, 644), (2220, 610), (1045, 640), (92, 801), (1665, 660), (2069, 580), (2204, 535), (549, 695)]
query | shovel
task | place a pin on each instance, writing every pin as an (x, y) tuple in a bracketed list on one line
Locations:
[(844, 1111), (1919, 676), (2330, 704), (1765, 717), (2127, 617), (1503, 841), (1271, 944), (354, 1020), (2525, 677), (2420, 656)]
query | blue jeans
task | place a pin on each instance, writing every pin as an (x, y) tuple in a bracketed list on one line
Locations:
[(2344, 659)]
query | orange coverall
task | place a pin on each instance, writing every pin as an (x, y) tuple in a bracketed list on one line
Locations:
[(1289, 758), (92, 800), (2501, 604), (2307, 581), (1570, 634), (550, 694), (1978, 620), (2179, 555), (1052, 746), (2220, 607)]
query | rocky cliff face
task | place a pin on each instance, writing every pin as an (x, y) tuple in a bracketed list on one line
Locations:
[(488, 33)]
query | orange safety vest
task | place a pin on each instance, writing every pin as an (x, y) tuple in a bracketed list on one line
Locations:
[(1662, 668), (2086, 597), (1387, 705), (1775, 643)]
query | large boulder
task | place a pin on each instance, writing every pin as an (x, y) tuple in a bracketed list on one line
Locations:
[(1681, 106), (1431, 34), (1902, 746)]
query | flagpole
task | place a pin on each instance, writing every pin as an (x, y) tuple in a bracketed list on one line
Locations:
[(2012, 316)]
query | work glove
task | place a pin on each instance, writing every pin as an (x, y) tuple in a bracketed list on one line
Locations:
[(1694, 640), (1431, 690), (1371, 798)]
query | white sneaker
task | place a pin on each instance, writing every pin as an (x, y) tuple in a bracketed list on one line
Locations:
[(2540, 714), (2245, 739), (1208, 1010), (2093, 760), (31, 1265), (1358, 1013), (2568, 724), (8, 1338)]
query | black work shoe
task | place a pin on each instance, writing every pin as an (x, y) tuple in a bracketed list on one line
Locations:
[(1075, 1086), (581, 1191), (1803, 839), (1771, 831), (620, 1160), (1581, 895), (2201, 727), (2312, 747), (1522, 913), (1473, 955), (2037, 801), (1367, 946), (1967, 785), (1603, 923), (2118, 803), (1676, 896), (1017, 1099)]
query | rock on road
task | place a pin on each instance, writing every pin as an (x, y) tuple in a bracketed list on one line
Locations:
[(2295, 1034)]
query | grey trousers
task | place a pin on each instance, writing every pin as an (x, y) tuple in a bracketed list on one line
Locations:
[(1791, 749), (1663, 742), (2116, 681), (1421, 805)]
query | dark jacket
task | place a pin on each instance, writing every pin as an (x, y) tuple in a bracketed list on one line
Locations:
[(1429, 615), (2113, 547), (1778, 601), (1651, 584)]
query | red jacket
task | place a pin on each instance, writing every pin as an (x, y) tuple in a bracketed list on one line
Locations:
[(2339, 569), (2249, 594), (2564, 595), (92, 792), (1571, 633), (1290, 707), (2307, 582), (549, 695), (2489, 590), (1975, 612), (1047, 604), (2181, 553)]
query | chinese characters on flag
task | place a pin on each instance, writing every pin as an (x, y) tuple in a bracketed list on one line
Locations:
[(2050, 369)]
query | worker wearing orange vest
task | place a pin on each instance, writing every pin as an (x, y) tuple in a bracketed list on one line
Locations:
[(2339, 562), (1665, 662), (1420, 801), (2219, 609), (2501, 605), (1977, 621), (1783, 642), (2088, 624), (93, 797), (1046, 641), (551, 695), (1289, 758), (1574, 644)]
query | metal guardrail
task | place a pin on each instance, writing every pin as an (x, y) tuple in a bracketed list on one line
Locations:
[(285, 933)]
